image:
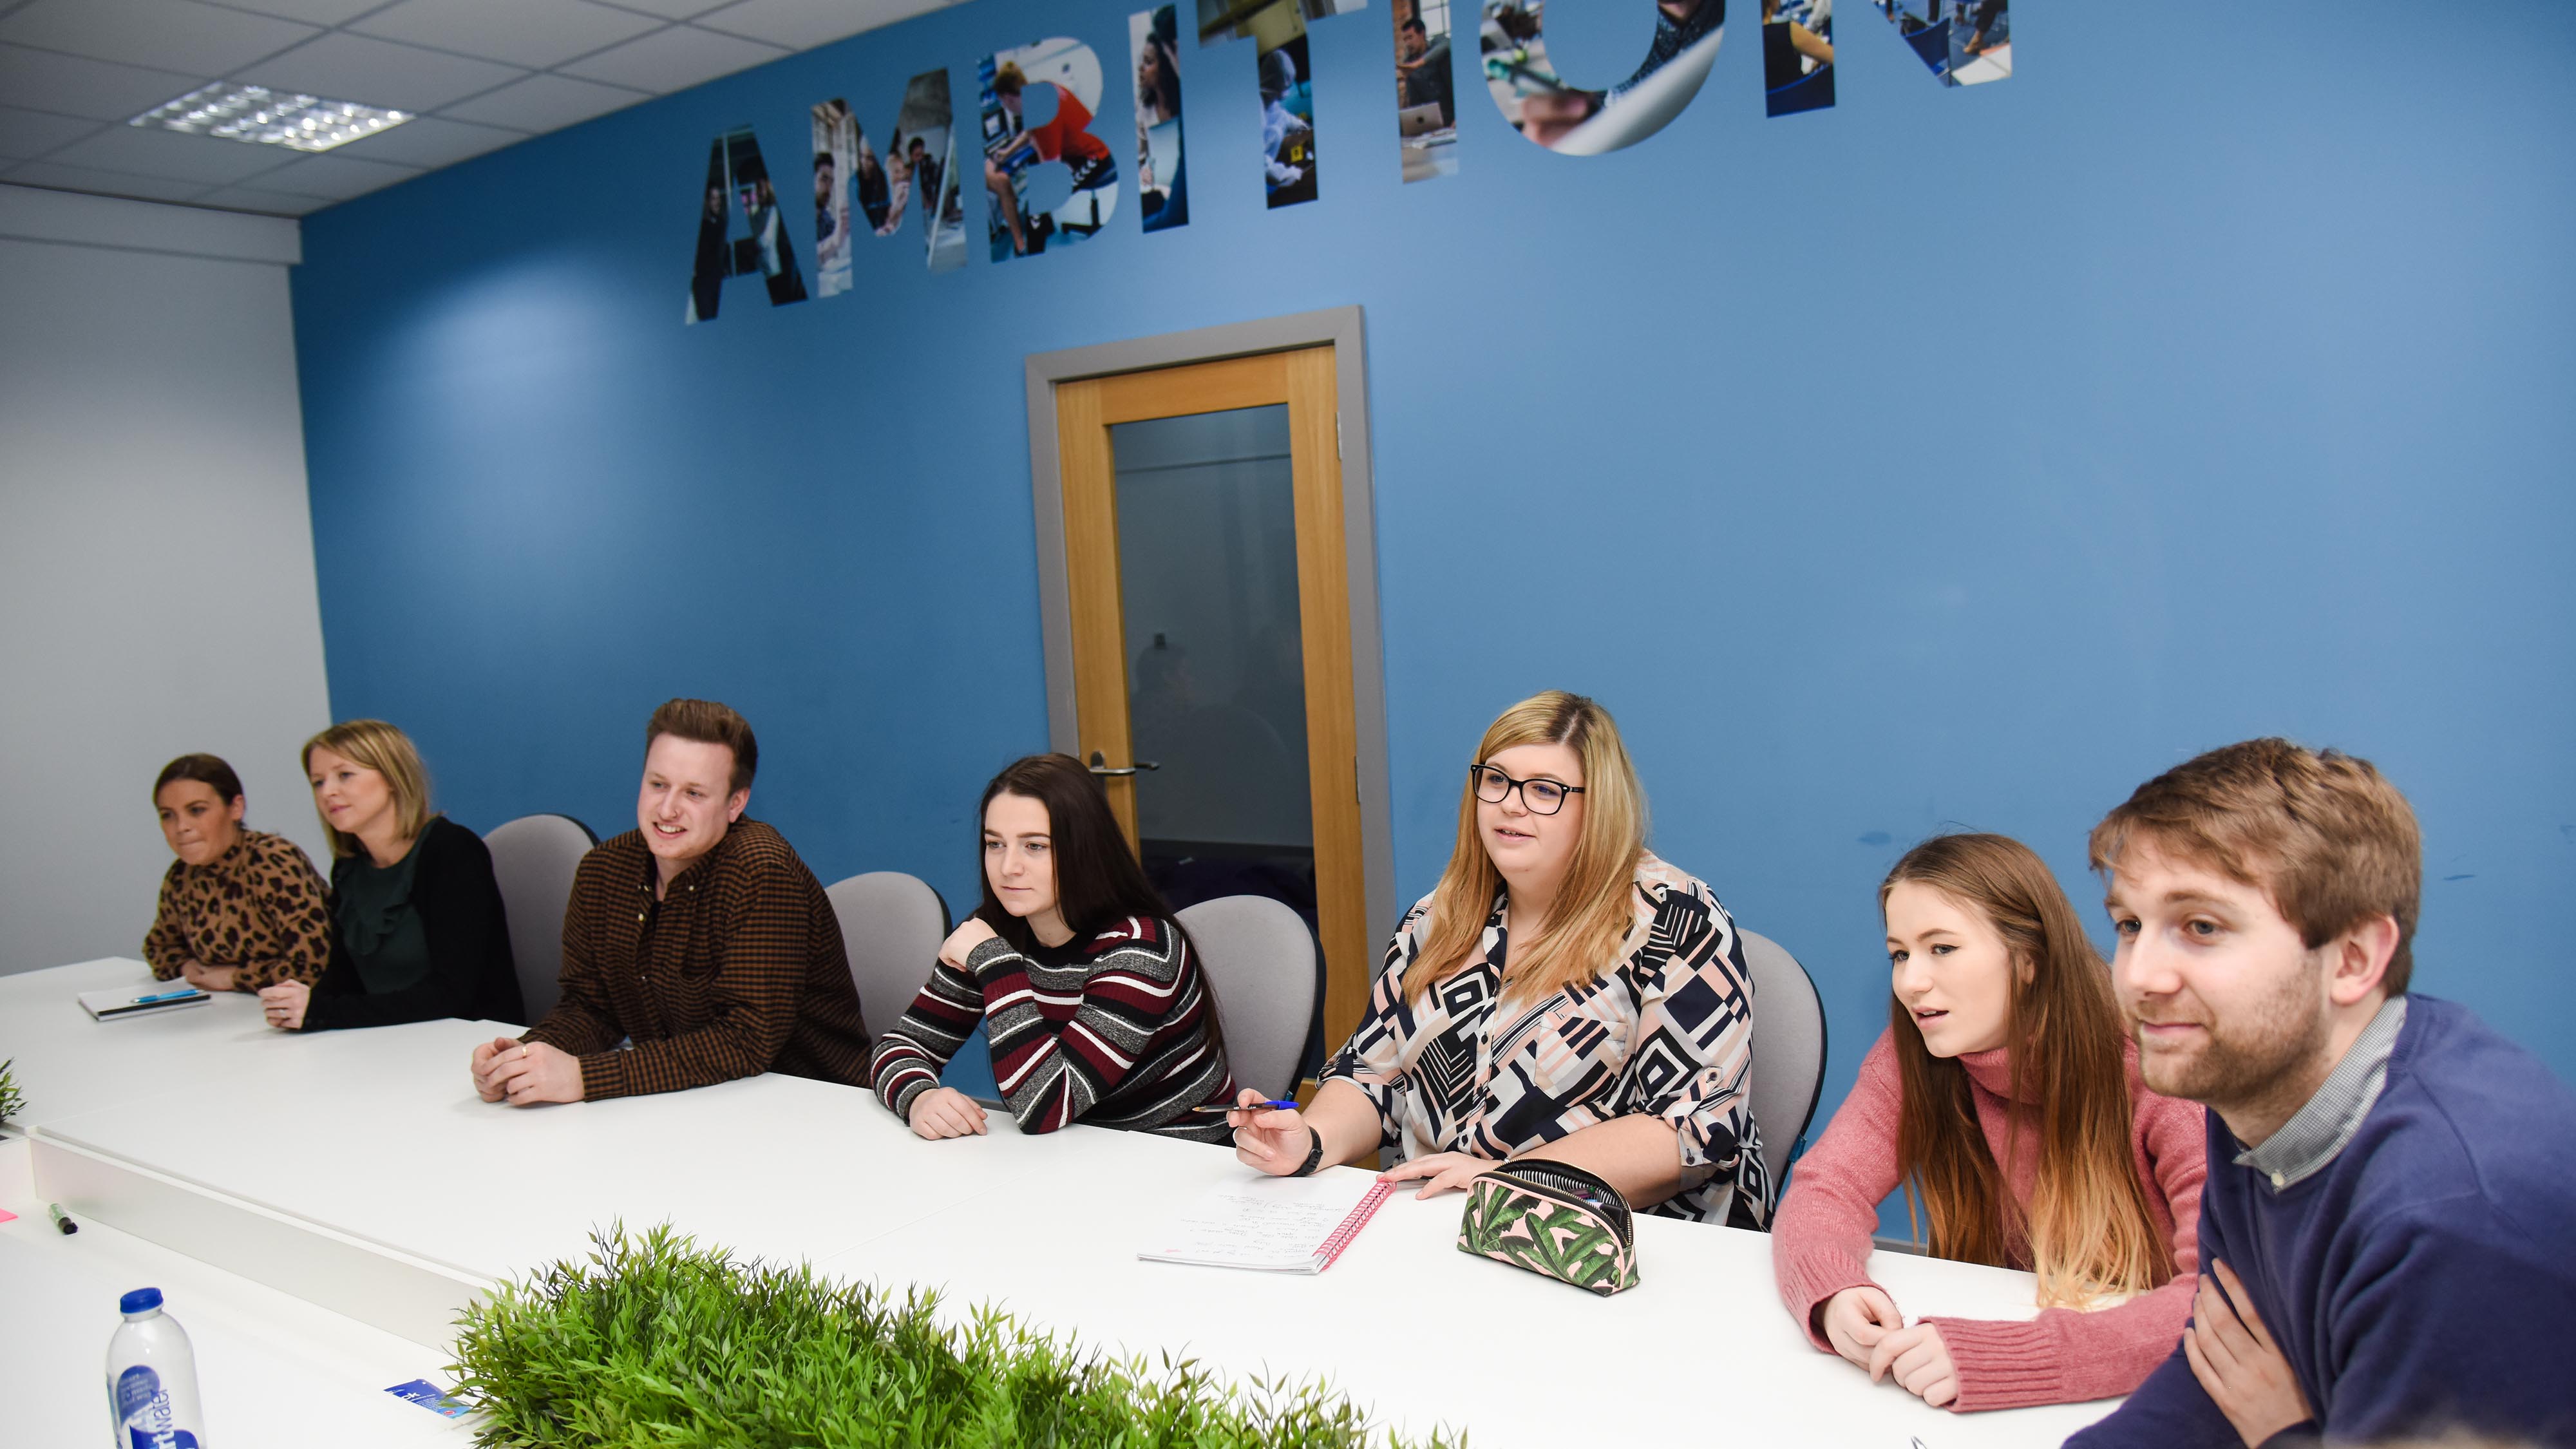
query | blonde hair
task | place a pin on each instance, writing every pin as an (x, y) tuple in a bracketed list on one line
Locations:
[(1592, 915), (378, 746)]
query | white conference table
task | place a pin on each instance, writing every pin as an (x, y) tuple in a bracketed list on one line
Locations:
[(372, 1146)]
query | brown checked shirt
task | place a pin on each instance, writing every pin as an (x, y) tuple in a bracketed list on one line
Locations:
[(737, 970)]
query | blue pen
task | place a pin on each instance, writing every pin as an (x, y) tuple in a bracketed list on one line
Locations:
[(1275, 1106), (164, 996)]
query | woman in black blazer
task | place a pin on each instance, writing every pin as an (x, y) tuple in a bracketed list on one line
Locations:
[(417, 929)]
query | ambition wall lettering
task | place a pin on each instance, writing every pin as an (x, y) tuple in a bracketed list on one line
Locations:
[(1038, 107)]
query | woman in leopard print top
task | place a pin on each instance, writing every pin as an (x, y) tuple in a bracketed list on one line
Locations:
[(240, 909)]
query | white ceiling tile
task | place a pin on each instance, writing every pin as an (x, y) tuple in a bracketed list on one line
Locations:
[(150, 151), (93, 88), (429, 141), (33, 133), (345, 67), (270, 203), (168, 34), (319, 12), (101, 183), (673, 59), (335, 177), (803, 24), (544, 102), (535, 33), (671, 9)]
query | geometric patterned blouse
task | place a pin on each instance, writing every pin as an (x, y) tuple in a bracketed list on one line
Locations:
[(1667, 1032)]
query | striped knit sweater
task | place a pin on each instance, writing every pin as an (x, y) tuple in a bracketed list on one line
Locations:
[(1114, 1030)]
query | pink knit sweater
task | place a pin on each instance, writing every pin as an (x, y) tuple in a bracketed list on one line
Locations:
[(1820, 1240)]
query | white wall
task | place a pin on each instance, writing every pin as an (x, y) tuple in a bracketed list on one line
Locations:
[(156, 550)]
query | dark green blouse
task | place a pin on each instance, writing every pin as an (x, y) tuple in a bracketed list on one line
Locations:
[(378, 922)]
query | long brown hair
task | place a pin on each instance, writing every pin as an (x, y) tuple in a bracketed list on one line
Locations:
[(2088, 1228), (1593, 911)]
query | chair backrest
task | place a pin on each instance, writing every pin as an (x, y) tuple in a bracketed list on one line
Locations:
[(891, 925), (533, 860), (1788, 1049), (1260, 962)]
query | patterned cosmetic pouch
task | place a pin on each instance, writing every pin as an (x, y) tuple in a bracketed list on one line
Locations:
[(1554, 1219)]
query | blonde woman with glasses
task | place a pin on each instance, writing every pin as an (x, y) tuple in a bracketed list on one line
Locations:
[(417, 930), (1562, 993)]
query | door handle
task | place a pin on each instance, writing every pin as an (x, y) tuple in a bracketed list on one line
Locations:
[(1099, 768)]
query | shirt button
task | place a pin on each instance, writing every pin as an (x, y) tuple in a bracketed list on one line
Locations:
[(2279, 1181), (639, 915)]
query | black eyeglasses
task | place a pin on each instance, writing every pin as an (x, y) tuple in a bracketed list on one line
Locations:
[(1541, 797)]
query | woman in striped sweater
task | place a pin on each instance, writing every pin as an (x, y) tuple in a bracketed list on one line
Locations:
[(1088, 990)]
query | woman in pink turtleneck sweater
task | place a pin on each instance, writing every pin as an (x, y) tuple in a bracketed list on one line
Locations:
[(2002, 1017)]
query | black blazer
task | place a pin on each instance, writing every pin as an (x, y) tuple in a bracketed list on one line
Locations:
[(471, 972)]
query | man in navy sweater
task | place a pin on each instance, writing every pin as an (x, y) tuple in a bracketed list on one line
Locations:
[(2390, 1217)]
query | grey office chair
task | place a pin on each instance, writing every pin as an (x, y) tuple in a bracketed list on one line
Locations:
[(1260, 962), (1788, 1050), (533, 860), (891, 924)]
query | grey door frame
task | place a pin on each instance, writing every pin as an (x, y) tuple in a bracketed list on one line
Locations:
[(1339, 328)]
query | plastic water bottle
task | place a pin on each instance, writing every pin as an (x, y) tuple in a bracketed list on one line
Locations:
[(152, 1378)]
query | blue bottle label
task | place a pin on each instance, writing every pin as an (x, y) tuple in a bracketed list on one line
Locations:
[(143, 1411)]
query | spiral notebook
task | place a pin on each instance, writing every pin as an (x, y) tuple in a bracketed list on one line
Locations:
[(123, 1002), (1270, 1224)]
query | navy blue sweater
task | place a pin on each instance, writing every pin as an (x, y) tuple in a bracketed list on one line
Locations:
[(2426, 1278)]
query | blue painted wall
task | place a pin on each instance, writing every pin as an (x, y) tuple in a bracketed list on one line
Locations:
[(1948, 458)]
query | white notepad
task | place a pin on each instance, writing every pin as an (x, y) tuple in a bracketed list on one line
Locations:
[(1270, 1224), (126, 1001)]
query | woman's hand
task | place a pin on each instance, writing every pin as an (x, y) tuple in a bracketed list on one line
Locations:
[(1273, 1139), (2237, 1363), (946, 1111), (962, 942), (1448, 1171), (285, 1003), (208, 978), (1855, 1319), (1917, 1359)]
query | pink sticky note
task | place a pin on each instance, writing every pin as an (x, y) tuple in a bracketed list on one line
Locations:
[(7, 1216)]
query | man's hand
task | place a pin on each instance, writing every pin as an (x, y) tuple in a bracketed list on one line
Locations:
[(1447, 1171), (524, 1074), (285, 1003), (946, 1111), (1855, 1319), (2237, 1363), (962, 942), (208, 978), (1917, 1359)]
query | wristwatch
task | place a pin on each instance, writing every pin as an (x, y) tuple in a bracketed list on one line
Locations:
[(1314, 1154)]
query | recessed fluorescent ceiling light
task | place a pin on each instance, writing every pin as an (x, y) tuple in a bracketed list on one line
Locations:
[(270, 118)]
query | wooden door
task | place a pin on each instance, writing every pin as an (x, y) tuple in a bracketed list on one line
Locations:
[(1089, 416)]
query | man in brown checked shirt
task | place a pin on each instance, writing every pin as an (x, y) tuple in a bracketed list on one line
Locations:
[(698, 937)]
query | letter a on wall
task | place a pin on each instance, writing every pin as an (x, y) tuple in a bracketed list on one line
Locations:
[(1965, 42), (1278, 31), (1565, 118), (1020, 153), (737, 179)]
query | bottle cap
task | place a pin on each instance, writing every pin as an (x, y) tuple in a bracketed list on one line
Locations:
[(141, 1300)]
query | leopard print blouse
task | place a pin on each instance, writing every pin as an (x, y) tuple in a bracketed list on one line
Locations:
[(261, 908)]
